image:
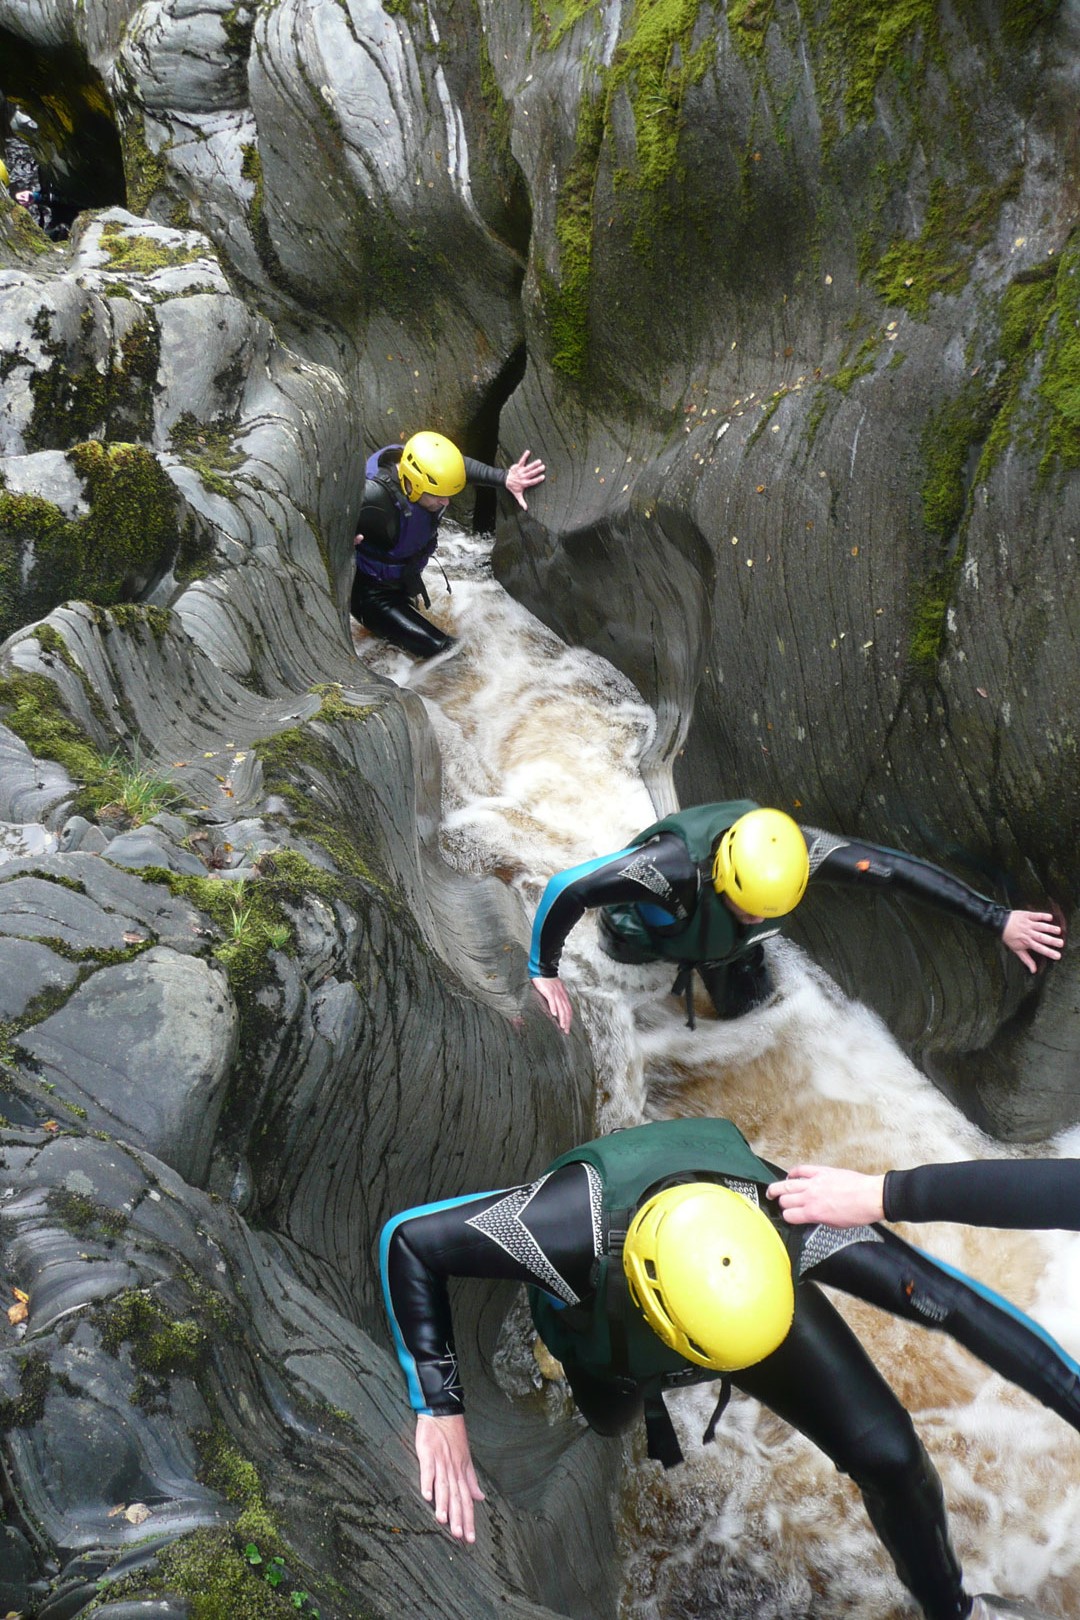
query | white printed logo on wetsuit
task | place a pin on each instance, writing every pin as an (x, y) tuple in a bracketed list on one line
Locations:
[(820, 845), (448, 1365), (649, 876), (504, 1224)]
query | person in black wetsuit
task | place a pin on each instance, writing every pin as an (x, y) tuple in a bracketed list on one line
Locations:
[(407, 491), (573, 1236), (1029, 1194), (703, 887)]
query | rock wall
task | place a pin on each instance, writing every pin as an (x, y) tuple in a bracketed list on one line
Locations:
[(785, 294), (801, 319), (248, 1011)]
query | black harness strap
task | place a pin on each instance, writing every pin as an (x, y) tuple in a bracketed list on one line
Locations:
[(718, 1411), (684, 986), (663, 1444)]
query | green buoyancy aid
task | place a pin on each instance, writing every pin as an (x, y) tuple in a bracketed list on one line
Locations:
[(711, 933), (629, 1163)]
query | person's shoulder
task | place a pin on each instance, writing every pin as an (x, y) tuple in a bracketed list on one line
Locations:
[(379, 491)]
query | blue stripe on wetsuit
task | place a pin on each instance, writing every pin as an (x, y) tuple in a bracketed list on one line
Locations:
[(557, 885), (1005, 1305), (404, 1355)]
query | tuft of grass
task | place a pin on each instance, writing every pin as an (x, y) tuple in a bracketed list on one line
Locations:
[(133, 792), (247, 927)]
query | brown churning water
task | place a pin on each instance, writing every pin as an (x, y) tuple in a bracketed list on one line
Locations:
[(541, 747)]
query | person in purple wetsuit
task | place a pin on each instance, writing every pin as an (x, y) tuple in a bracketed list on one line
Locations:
[(408, 489)]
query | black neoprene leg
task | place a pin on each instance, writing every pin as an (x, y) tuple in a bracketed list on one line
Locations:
[(737, 987), (607, 1406), (823, 1383), (898, 1278), (390, 614)]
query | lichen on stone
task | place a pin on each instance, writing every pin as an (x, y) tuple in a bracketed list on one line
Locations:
[(130, 533)]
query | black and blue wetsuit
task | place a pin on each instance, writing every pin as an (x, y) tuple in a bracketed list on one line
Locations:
[(550, 1234), (658, 902)]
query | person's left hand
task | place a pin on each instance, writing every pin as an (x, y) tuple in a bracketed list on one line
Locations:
[(522, 476), (1027, 931)]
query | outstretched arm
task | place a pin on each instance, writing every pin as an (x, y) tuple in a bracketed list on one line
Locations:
[(523, 475), (419, 1250), (847, 860), (1023, 1194), (814, 1193), (447, 1476), (659, 875)]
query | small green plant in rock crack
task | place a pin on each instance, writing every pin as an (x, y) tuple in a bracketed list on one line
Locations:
[(273, 1573), (244, 927)]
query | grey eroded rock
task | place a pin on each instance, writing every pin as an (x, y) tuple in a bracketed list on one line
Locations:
[(271, 984), (797, 358), (797, 346), (164, 1085)]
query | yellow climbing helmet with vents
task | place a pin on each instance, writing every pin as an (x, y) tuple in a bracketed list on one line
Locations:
[(762, 864), (431, 465), (710, 1274)]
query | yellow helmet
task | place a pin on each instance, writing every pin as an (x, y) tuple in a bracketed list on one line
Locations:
[(710, 1274), (4, 176), (431, 465), (762, 864)]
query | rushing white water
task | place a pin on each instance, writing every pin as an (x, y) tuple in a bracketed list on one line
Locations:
[(540, 746)]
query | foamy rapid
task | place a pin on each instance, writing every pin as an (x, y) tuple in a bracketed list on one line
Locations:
[(541, 746)]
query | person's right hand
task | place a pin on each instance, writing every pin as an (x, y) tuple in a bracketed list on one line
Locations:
[(447, 1476), (815, 1193), (553, 994), (358, 540)]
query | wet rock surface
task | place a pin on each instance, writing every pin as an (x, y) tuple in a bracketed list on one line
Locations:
[(249, 1013), (795, 303)]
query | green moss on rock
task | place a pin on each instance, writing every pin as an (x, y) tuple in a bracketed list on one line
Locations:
[(76, 397), (130, 533), (857, 41), (227, 1470), (135, 253), (653, 65), (748, 21), (83, 1217), (209, 1569), (22, 1411), (31, 708), (957, 225), (207, 448), (158, 1344), (1058, 416)]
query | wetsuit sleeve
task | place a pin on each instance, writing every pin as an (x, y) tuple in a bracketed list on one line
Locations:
[(1035, 1194), (848, 860), (659, 874), (894, 1276), (378, 520), (478, 472), (534, 1227)]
